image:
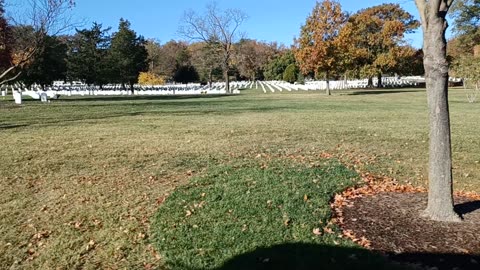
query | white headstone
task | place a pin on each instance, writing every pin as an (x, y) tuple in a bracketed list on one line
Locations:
[(4, 93), (18, 97), (43, 97)]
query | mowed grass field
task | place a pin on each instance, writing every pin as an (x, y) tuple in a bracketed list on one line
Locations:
[(81, 178)]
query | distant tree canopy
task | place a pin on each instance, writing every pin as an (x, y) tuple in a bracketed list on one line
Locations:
[(466, 23), (331, 44), (375, 38), (251, 58), (366, 44), (277, 66), (464, 48)]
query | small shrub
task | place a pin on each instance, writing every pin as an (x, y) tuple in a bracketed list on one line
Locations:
[(290, 74)]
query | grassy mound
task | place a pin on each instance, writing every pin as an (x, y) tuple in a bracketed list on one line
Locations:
[(229, 217)]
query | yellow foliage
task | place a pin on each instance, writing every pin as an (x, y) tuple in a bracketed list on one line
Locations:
[(148, 78)]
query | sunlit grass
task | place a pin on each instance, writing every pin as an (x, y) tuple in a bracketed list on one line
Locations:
[(234, 210), (81, 177)]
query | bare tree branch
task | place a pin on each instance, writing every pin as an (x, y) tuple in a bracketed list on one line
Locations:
[(214, 27), (41, 18), (422, 9)]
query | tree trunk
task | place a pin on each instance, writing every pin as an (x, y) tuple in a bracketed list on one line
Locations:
[(379, 79), (440, 191), (328, 84), (227, 80), (210, 78), (370, 82)]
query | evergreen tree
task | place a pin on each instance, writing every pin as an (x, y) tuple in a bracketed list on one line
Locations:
[(128, 55), (186, 74), (277, 66), (87, 60)]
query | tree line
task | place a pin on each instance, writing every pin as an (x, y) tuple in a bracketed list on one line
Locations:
[(332, 44), (212, 53)]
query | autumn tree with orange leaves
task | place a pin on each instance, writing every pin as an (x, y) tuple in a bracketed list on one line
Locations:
[(375, 39), (317, 49)]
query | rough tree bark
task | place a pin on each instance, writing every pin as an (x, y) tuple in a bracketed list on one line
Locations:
[(440, 191)]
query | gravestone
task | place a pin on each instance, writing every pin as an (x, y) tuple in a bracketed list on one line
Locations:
[(43, 97), (17, 96)]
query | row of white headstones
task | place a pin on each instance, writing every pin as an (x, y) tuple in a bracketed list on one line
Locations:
[(57, 90), (273, 86), (68, 89)]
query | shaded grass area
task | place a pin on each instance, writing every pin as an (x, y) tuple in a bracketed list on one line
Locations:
[(80, 179), (233, 210)]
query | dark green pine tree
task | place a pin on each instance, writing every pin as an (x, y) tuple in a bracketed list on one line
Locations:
[(88, 56), (49, 65), (128, 55)]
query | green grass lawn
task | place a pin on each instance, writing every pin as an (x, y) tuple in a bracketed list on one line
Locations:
[(82, 177), (246, 216)]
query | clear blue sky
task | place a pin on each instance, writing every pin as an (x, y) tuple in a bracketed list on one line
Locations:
[(269, 20)]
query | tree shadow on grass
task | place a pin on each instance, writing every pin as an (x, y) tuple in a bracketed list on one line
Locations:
[(301, 256), (380, 92), (173, 111), (10, 126), (141, 98)]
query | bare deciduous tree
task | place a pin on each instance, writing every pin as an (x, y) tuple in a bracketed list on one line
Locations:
[(41, 18), (215, 27), (440, 192)]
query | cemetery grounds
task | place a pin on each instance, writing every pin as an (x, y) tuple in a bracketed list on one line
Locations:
[(82, 178)]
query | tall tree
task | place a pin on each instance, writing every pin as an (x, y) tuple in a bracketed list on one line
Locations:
[(87, 59), (45, 17), (375, 38), (440, 192), (317, 49), (128, 54), (215, 27)]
